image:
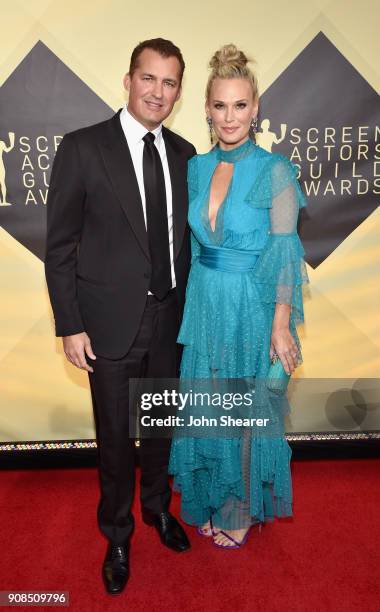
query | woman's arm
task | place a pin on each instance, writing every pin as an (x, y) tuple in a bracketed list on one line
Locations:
[(282, 341), (284, 216)]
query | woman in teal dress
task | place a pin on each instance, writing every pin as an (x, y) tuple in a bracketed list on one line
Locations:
[(243, 302)]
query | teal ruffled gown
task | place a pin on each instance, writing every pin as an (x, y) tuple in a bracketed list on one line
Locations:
[(252, 260)]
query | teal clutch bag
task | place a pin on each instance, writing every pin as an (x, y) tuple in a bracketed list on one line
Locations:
[(277, 378)]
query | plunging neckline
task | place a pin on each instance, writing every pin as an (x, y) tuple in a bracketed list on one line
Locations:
[(230, 156), (222, 203)]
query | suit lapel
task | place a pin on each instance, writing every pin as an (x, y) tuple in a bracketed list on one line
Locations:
[(178, 172), (119, 165)]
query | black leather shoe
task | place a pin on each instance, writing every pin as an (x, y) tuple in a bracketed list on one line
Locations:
[(170, 531), (116, 568)]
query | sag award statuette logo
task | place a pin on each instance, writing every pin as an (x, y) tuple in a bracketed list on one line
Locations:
[(39, 102), (3, 186), (324, 116), (266, 139)]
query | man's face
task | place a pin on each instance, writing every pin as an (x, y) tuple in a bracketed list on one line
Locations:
[(153, 88)]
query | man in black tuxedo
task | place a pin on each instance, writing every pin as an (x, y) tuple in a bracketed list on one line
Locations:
[(117, 261)]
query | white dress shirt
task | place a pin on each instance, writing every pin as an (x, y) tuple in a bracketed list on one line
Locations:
[(134, 133)]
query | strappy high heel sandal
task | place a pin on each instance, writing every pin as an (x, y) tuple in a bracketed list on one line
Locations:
[(235, 543), (207, 532)]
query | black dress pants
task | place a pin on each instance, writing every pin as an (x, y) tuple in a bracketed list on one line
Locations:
[(154, 354)]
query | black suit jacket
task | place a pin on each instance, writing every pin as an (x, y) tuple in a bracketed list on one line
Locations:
[(97, 257)]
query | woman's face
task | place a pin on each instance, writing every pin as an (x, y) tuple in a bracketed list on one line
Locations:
[(231, 107)]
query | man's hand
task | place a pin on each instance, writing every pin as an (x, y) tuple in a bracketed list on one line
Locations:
[(76, 348)]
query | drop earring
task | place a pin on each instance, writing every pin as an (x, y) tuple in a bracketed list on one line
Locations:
[(253, 128), (209, 123)]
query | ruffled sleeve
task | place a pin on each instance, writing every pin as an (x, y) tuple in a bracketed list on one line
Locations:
[(280, 269), (277, 175)]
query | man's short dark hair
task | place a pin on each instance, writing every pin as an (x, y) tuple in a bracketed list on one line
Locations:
[(164, 47)]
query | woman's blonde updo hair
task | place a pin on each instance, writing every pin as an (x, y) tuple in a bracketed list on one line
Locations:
[(230, 63)]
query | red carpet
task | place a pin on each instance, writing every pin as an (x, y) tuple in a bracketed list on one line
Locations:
[(326, 558)]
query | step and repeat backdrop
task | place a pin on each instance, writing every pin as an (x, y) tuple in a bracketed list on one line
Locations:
[(62, 68)]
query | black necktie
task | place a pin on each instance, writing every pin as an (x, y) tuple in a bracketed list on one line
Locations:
[(156, 218)]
